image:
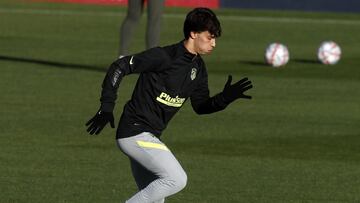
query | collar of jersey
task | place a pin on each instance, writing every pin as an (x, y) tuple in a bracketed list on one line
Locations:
[(186, 53)]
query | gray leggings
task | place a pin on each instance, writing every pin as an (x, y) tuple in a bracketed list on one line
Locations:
[(135, 9), (157, 172)]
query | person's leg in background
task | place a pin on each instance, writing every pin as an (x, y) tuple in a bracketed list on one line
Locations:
[(154, 15), (135, 8)]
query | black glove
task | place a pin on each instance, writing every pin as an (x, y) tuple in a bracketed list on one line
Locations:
[(98, 122), (232, 92)]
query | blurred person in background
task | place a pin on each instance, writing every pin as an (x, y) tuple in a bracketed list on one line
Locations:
[(168, 77), (135, 10)]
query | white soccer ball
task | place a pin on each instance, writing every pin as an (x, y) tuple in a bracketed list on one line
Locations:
[(277, 55), (329, 53)]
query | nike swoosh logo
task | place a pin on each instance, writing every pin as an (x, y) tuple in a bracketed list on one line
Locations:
[(131, 60)]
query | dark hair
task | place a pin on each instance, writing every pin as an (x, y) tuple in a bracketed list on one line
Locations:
[(201, 19)]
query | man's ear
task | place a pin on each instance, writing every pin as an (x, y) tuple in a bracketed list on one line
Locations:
[(193, 35)]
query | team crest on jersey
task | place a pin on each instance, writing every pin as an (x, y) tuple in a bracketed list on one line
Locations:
[(193, 73)]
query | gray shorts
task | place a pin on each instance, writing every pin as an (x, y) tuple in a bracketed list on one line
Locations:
[(157, 172)]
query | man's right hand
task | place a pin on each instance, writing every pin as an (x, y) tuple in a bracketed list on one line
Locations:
[(99, 121)]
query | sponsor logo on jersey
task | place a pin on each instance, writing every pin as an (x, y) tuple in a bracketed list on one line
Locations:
[(170, 101), (116, 77), (193, 73)]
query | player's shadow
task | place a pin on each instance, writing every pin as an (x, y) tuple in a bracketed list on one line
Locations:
[(262, 63), (309, 61), (54, 64), (253, 63)]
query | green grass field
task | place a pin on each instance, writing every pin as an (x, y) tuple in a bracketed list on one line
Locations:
[(297, 140)]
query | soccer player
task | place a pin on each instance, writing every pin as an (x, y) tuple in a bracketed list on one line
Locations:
[(168, 77)]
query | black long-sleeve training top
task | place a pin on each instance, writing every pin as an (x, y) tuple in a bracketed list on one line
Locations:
[(168, 77)]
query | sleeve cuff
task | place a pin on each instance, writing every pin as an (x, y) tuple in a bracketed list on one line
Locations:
[(221, 100), (107, 107)]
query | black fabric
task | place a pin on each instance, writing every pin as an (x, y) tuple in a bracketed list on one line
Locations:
[(235, 91), (99, 121)]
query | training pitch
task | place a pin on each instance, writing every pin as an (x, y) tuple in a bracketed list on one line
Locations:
[(297, 140)]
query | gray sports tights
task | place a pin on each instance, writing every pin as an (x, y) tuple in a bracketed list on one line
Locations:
[(157, 172)]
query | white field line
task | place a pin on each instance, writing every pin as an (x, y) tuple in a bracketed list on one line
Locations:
[(260, 19)]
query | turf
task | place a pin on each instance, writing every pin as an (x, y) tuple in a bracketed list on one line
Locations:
[(297, 140)]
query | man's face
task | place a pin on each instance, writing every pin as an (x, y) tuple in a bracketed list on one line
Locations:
[(204, 42)]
